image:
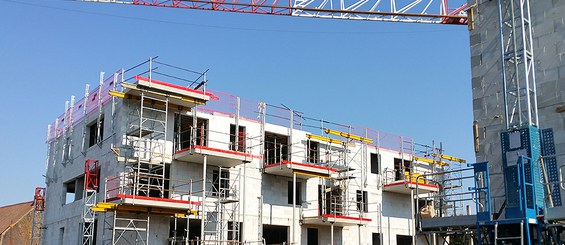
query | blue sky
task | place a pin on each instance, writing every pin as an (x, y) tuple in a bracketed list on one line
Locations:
[(407, 79)]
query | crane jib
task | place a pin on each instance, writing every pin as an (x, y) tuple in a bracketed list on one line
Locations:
[(418, 11)]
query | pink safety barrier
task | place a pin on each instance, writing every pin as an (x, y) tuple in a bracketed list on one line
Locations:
[(224, 104)]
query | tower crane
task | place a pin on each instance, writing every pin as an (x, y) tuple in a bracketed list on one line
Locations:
[(411, 11), (521, 144)]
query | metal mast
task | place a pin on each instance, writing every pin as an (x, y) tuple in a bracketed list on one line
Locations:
[(517, 60), (520, 141)]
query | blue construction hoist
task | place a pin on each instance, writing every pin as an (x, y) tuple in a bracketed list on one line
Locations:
[(523, 144), (523, 221)]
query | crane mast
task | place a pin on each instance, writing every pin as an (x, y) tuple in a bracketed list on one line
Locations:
[(518, 72)]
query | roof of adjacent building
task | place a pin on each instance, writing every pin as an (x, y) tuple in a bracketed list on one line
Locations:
[(11, 214)]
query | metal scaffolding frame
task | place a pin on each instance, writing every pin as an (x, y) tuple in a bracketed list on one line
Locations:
[(147, 138), (448, 173), (339, 191), (446, 214), (144, 162), (220, 203), (144, 151), (221, 209)]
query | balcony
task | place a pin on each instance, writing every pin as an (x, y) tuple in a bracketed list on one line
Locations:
[(338, 212), (220, 148), (216, 157), (396, 182), (307, 159), (338, 220), (302, 170), (133, 192)]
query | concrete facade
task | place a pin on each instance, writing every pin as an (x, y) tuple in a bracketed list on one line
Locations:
[(549, 48), (390, 214)]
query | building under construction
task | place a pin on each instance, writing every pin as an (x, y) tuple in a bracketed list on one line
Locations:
[(152, 156), (140, 160)]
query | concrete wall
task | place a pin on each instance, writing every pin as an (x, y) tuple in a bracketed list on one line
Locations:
[(549, 49), (62, 219)]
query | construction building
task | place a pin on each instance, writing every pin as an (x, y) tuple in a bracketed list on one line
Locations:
[(149, 158)]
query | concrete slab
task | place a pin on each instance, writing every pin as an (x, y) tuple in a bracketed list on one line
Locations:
[(216, 157), (303, 170)]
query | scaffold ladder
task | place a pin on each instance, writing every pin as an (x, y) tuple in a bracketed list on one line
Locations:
[(147, 137), (221, 211)]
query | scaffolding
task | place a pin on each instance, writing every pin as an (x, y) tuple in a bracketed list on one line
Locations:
[(143, 187), (406, 168), (220, 211), (219, 152), (146, 150), (146, 140), (144, 162), (448, 173), (445, 215), (336, 157), (351, 176)]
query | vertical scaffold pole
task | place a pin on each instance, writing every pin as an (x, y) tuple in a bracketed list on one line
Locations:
[(100, 111), (48, 156), (290, 143), (84, 122), (113, 117), (236, 142), (293, 228), (69, 143), (64, 136), (203, 213)]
